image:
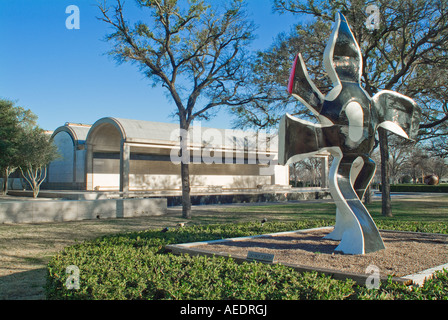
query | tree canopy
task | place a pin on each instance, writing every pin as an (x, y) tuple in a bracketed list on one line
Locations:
[(407, 54), (13, 120), (23, 145), (37, 151)]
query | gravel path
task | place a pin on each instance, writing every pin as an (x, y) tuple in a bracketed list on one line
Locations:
[(405, 253)]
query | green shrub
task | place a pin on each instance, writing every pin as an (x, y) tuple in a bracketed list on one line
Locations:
[(442, 188), (433, 289), (136, 266), (413, 226)]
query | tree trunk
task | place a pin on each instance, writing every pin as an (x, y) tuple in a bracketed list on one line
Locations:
[(36, 190), (5, 182), (186, 200), (368, 196), (35, 177), (7, 172), (385, 174), (185, 171), (295, 175)]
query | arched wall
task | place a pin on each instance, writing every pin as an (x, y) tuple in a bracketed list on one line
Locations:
[(68, 171), (103, 155), (105, 136), (61, 170)]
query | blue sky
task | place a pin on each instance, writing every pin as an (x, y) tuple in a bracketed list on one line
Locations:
[(64, 75)]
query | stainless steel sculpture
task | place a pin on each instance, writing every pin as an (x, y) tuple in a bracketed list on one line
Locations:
[(349, 119)]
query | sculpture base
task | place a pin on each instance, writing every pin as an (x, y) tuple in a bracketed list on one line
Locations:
[(406, 253)]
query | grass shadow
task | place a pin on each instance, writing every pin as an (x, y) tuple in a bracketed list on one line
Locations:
[(27, 285)]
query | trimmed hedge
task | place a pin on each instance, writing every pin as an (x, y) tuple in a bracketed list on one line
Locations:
[(442, 188), (136, 266)]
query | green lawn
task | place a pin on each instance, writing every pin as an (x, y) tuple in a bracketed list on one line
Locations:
[(430, 209), (424, 209)]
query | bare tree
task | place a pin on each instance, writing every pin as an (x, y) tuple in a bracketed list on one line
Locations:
[(400, 152), (197, 52), (308, 170), (439, 167)]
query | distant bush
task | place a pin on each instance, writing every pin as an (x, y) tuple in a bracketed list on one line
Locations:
[(136, 266)]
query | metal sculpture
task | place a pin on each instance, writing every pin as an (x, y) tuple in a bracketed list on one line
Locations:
[(349, 119), (431, 180)]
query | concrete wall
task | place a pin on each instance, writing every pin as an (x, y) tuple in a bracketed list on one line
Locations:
[(39, 211), (80, 166), (15, 183), (68, 171), (61, 170)]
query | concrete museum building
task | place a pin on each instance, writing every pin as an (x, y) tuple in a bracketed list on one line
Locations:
[(143, 156)]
